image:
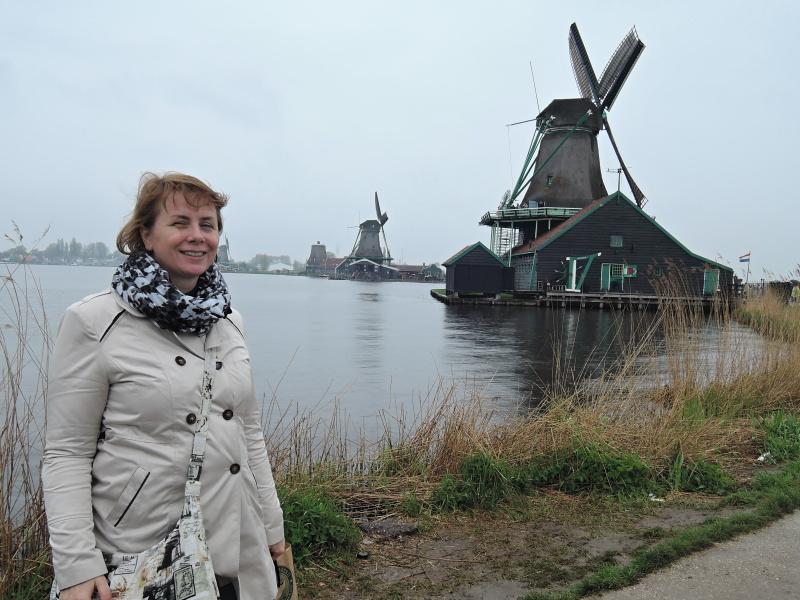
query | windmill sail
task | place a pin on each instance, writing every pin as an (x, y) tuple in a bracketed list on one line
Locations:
[(604, 93), (382, 217), (582, 66), (619, 67), (637, 193)]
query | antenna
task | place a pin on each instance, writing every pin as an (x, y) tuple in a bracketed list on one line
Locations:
[(535, 92), (618, 171)]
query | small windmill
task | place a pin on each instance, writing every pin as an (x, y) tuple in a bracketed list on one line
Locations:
[(603, 93)]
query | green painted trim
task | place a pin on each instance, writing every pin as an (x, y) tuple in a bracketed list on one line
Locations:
[(460, 254)]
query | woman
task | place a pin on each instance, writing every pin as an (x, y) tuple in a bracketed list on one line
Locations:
[(124, 394)]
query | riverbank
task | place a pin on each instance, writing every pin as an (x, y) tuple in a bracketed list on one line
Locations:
[(590, 493), (536, 503)]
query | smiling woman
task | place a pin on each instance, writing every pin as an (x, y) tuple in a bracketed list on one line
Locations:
[(183, 240), (150, 378)]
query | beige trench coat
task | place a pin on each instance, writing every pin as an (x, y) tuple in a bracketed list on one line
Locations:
[(122, 399)]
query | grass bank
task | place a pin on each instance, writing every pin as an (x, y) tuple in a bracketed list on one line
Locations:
[(686, 411)]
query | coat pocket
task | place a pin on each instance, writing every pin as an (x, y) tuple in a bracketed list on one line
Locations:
[(128, 496)]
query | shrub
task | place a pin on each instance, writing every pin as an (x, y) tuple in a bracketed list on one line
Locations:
[(411, 505), (482, 482), (782, 435), (314, 525), (592, 467), (697, 476)]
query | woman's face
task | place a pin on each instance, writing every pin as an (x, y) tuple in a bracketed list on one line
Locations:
[(183, 240)]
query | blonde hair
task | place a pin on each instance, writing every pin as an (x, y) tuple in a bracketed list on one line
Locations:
[(154, 191)]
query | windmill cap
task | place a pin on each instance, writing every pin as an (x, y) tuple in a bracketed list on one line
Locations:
[(568, 112)]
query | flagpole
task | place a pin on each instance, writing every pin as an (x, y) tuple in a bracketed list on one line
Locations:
[(747, 277)]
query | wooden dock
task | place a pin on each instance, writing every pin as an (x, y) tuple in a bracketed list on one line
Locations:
[(561, 299)]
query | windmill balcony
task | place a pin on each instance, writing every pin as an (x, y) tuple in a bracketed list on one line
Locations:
[(515, 215)]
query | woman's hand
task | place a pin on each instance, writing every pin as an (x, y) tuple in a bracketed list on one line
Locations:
[(276, 550), (86, 590)]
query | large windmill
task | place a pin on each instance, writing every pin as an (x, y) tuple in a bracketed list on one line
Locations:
[(559, 234), (561, 173), (368, 257)]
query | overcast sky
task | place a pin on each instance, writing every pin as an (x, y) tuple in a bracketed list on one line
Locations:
[(300, 111)]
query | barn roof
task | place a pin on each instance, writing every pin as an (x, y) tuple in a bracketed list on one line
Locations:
[(466, 250), (546, 239)]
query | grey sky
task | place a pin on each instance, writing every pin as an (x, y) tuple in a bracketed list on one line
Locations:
[(300, 111)]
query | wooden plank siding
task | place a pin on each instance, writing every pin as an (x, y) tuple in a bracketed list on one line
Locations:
[(477, 270), (659, 259)]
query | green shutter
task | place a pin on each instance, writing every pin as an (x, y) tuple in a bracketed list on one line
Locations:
[(710, 281), (605, 276)]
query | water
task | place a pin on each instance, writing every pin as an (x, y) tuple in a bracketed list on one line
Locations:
[(370, 346)]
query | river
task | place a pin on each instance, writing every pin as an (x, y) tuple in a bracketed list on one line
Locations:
[(373, 346)]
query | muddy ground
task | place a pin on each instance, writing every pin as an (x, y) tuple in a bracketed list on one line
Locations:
[(545, 542)]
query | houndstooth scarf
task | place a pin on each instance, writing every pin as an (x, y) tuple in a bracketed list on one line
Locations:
[(145, 286)]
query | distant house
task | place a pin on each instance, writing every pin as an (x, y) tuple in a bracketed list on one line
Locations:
[(365, 269), (476, 269), (278, 267), (432, 273)]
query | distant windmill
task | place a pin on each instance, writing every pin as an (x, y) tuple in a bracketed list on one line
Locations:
[(603, 93), (367, 254)]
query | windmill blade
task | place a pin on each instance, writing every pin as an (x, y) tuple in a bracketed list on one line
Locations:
[(382, 218), (582, 67), (618, 68), (637, 193)]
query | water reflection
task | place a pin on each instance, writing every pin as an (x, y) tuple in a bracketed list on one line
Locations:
[(524, 352)]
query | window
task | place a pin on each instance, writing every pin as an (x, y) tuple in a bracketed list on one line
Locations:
[(549, 182), (616, 241), (617, 271), (658, 272)]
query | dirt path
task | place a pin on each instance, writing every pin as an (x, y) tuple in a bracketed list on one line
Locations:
[(501, 556)]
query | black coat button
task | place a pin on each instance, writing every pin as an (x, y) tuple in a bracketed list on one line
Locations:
[(219, 365), (191, 418), (227, 414), (235, 468), (180, 360)]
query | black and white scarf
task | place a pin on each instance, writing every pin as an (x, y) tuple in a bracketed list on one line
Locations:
[(145, 285)]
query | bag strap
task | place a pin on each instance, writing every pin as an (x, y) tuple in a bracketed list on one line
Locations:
[(201, 425)]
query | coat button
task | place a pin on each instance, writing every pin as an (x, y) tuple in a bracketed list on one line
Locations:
[(219, 365), (227, 414), (180, 360), (191, 418), (234, 468)]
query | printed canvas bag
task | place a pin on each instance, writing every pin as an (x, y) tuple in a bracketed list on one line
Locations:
[(179, 566)]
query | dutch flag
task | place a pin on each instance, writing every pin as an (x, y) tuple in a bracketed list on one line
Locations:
[(745, 258)]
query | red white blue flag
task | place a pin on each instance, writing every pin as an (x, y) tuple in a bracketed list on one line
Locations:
[(745, 258)]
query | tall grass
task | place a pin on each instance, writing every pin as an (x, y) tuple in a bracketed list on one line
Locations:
[(24, 348), (693, 391)]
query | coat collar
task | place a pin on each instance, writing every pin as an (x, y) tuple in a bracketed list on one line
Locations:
[(191, 343)]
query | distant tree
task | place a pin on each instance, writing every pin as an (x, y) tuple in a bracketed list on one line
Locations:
[(75, 249), (95, 251)]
